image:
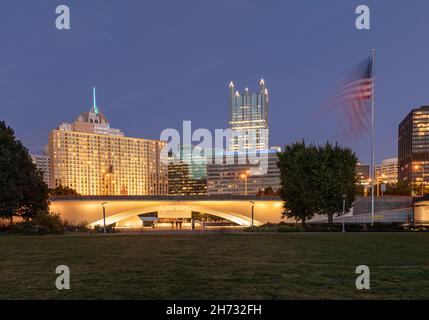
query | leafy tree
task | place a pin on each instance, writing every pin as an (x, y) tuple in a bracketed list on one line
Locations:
[(313, 180), (398, 189), (22, 190), (336, 171), (297, 163), (63, 191)]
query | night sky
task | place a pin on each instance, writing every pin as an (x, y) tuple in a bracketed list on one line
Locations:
[(157, 63)]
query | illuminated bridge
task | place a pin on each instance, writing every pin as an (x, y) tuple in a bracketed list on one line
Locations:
[(168, 211)]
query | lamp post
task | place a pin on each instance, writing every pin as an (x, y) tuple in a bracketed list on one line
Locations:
[(104, 217), (417, 167), (244, 176), (253, 211), (344, 211)]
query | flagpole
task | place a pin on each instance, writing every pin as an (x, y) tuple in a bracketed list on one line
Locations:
[(372, 135)]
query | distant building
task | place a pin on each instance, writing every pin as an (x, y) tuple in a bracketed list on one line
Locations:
[(94, 159), (236, 176), (187, 174), (413, 149), (249, 118), (363, 174), (387, 171), (42, 163)]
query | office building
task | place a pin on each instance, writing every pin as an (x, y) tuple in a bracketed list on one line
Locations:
[(413, 149), (248, 119), (95, 159), (42, 164), (363, 174), (187, 174), (387, 171), (238, 176)]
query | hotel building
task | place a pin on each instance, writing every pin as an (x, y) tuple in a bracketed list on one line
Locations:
[(413, 149), (248, 118), (387, 171), (95, 159)]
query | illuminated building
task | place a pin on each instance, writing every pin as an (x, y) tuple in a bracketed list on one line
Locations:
[(387, 171), (94, 159), (42, 163), (187, 172), (235, 176), (248, 118), (362, 174), (413, 149)]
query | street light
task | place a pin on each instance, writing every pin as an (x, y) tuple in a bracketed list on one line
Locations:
[(244, 176), (104, 217), (344, 211), (417, 167), (253, 211)]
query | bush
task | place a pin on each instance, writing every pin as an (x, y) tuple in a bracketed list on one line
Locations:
[(289, 228), (323, 227), (79, 227), (43, 223), (109, 229)]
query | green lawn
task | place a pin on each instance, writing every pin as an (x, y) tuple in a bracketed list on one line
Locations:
[(216, 266)]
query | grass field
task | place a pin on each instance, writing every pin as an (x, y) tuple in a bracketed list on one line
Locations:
[(216, 266)]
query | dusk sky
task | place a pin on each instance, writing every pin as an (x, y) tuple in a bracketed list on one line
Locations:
[(157, 63)]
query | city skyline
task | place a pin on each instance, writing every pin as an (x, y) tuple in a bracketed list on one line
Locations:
[(182, 71)]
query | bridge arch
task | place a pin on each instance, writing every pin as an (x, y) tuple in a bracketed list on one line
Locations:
[(237, 218)]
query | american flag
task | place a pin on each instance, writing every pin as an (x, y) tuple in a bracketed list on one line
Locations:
[(354, 95)]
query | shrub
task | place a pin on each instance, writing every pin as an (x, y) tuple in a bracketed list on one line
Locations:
[(289, 228), (73, 227), (109, 229), (42, 223)]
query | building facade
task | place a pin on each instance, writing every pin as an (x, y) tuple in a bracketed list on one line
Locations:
[(187, 174), (236, 176), (387, 171), (413, 150), (94, 159), (42, 164), (248, 118), (363, 174)]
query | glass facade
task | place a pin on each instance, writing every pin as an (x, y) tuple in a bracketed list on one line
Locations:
[(249, 118), (187, 172), (413, 150)]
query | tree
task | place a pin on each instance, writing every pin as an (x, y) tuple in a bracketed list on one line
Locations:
[(63, 191), (398, 189), (22, 190), (336, 171), (297, 163), (313, 180)]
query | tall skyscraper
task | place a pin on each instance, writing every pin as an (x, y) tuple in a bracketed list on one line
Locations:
[(249, 118), (94, 159), (413, 149), (42, 163)]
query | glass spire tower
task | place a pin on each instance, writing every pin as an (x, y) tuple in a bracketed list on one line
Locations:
[(248, 119)]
